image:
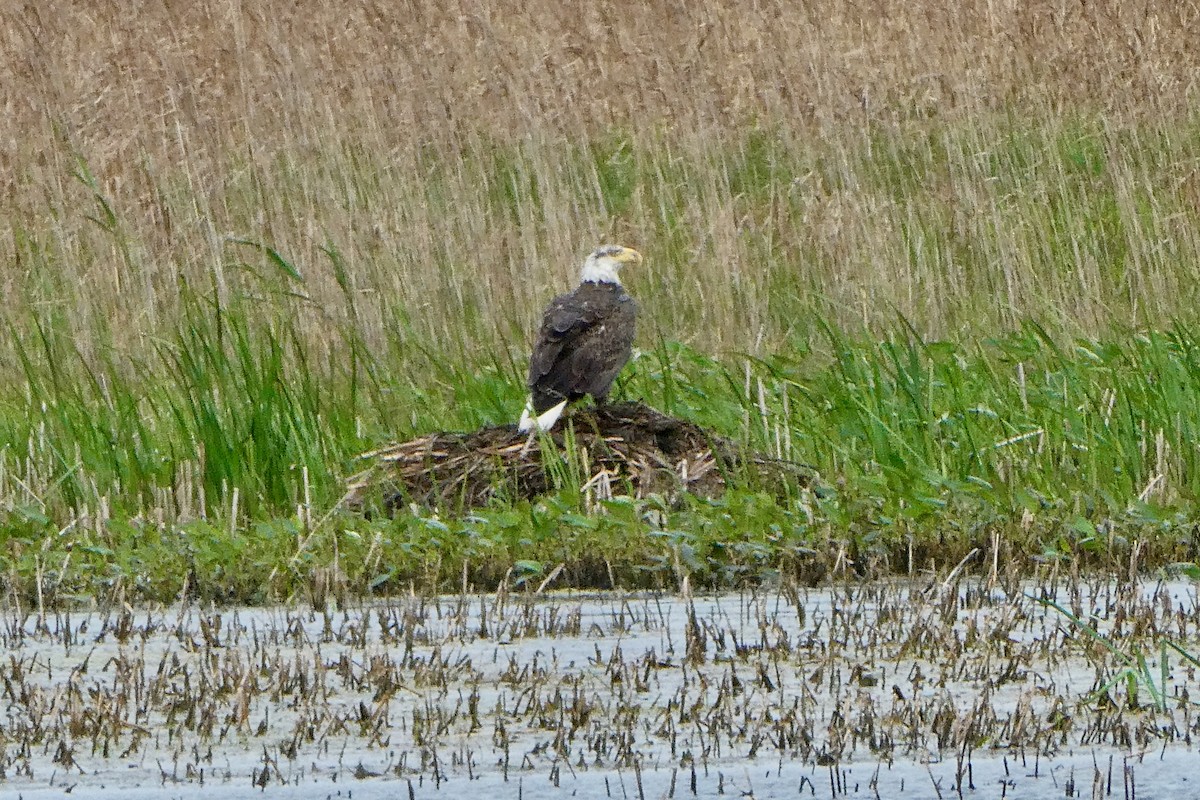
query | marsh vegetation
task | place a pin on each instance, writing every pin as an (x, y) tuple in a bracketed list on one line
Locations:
[(945, 257)]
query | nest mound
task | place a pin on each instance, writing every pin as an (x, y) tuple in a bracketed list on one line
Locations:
[(621, 448)]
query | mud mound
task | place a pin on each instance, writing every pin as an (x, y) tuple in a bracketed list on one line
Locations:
[(622, 448)]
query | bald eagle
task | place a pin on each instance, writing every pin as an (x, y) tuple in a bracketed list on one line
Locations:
[(585, 339)]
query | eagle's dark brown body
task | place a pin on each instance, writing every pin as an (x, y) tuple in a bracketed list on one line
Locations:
[(585, 339)]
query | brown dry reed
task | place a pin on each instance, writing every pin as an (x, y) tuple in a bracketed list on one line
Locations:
[(866, 159)]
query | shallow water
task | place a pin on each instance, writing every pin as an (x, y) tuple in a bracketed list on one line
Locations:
[(874, 690)]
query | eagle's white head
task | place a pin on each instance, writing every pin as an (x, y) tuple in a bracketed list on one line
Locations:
[(605, 262)]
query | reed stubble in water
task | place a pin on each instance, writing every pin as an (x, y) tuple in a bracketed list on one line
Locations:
[(234, 264)]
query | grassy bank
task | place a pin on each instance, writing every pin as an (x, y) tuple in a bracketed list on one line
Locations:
[(976, 350), (953, 269), (223, 481)]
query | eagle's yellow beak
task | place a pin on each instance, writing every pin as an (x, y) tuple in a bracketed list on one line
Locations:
[(629, 256)]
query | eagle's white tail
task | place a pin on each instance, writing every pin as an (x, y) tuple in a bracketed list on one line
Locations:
[(542, 422)]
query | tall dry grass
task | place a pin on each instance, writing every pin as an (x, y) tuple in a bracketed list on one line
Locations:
[(463, 158)]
